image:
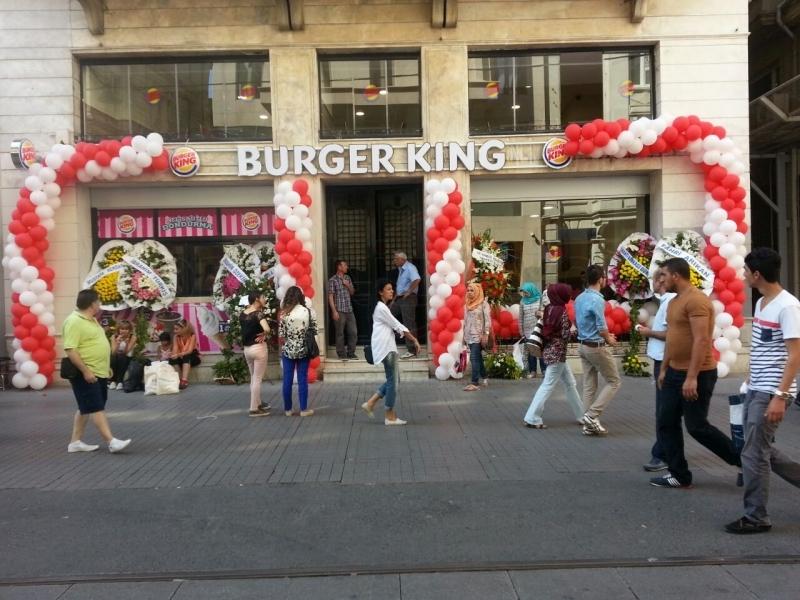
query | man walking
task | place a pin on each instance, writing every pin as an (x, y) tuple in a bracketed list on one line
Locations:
[(87, 348), (687, 378), (404, 306), (655, 350), (774, 363), (340, 292), (594, 339)]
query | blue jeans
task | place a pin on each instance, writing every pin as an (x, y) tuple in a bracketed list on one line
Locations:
[(289, 365), (554, 373), (388, 391), (477, 368), (532, 360)]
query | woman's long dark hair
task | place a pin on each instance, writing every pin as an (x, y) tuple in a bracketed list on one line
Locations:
[(294, 296)]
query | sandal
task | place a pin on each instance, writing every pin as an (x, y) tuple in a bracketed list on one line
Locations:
[(183, 384), (536, 426), (471, 388)]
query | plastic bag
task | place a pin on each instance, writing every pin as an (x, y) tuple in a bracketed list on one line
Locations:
[(160, 379), (516, 352)]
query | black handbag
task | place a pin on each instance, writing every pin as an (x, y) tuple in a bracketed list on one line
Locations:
[(310, 340), (68, 369)]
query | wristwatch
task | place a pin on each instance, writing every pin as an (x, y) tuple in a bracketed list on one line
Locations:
[(789, 397)]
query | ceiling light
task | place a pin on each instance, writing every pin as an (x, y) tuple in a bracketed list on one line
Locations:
[(359, 113), (383, 92), (534, 216), (515, 107), (548, 207), (263, 117)]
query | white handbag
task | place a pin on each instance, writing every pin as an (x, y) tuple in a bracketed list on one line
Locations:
[(160, 379)]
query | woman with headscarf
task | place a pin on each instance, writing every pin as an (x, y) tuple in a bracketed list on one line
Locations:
[(556, 333), (477, 325), (529, 313)]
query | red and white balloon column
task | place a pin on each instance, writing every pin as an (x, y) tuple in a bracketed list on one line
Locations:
[(725, 206), (293, 245), (443, 225), (24, 253)]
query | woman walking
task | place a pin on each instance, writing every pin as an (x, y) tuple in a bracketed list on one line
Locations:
[(477, 324), (556, 333), (295, 321), (184, 351), (530, 311), (122, 344), (255, 330), (384, 350)]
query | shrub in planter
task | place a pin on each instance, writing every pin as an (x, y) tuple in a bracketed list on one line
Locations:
[(501, 365), (232, 369)]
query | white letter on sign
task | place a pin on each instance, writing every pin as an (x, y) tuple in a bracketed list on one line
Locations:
[(356, 159), (382, 157), (417, 157), (336, 165), (303, 159), (249, 165), (494, 162)]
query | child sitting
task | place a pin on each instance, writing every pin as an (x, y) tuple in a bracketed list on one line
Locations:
[(164, 351)]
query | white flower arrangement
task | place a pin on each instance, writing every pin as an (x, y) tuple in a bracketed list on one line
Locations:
[(151, 278), (240, 264)]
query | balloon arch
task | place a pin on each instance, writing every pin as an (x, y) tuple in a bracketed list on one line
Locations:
[(707, 145)]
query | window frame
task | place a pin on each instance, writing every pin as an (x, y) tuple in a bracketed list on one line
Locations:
[(174, 60), (410, 55), (522, 52)]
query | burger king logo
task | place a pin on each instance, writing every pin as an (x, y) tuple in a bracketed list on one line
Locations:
[(23, 153), (553, 154), (248, 92), (184, 161), (371, 92), (126, 224), (153, 95), (251, 221), (492, 90)]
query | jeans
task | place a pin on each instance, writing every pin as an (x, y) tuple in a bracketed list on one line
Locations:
[(388, 390), (594, 361), (119, 364), (256, 357), (405, 311), (656, 451), (477, 368), (673, 406), (289, 365), (759, 457), (554, 373), (532, 360), (346, 334)]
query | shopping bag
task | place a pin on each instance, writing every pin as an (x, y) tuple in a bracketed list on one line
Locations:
[(535, 343), (736, 403), (160, 379), (463, 359), (516, 352)]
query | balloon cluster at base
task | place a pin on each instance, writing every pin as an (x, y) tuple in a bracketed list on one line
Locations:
[(33, 218), (722, 163), (443, 225)]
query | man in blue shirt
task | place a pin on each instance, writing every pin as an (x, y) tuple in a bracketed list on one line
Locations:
[(404, 305), (594, 339)]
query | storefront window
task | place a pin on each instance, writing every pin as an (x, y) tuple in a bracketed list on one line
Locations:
[(529, 93), (548, 241), (217, 99), (369, 97)]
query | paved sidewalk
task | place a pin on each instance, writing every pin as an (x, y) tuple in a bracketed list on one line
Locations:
[(206, 490)]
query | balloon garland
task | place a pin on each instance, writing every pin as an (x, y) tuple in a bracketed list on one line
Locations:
[(443, 224), (293, 245), (24, 253), (721, 161)]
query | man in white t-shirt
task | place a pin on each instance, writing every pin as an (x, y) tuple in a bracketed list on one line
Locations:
[(774, 363), (657, 340)]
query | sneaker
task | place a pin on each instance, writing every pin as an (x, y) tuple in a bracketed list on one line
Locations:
[(365, 407), (116, 445), (668, 481), (408, 355), (745, 526), (307, 413), (485, 382), (111, 385), (352, 357), (394, 422), (593, 423), (655, 464), (288, 413), (265, 406), (259, 412), (79, 446), (530, 375), (589, 431)]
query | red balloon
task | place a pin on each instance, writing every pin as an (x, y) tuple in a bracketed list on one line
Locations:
[(438, 349), (434, 256), (437, 326), (441, 222), (312, 374), (442, 244), (455, 197), (719, 193), (67, 171), (623, 123), (29, 219), (670, 134), (644, 153), (16, 214), (601, 139), (89, 151), (39, 332), (573, 132), (27, 320), (727, 274), (731, 181), (433, 234), (737, 214), (314, 362), (286, 235), (728, 204), (693, 132), (719, 132), (305, 200), (160, 163), (460, 290), (450, 210), (31, 253), (38, 233), (734, 308), (40, 355), (21, 332), (102, 158), (505, 333), (736, 286), (706, 128), (304, 257), (25, 205), (741, 227), (741, 296), (726, 297), (587, 147), (304, 281), (16, 227), (454, 325), (444, 314), (450, 234), (600, 124), (294, 246), (280, 248), (719, 285), (29, 344), (717, 173), (710, 185), (300, 186), (505, 318), (23, 240), (18, 310), (738, 194), (613, 129), (588, 131), (660, 146), (738, 320), (710, 252), (287, 259), (47, 369), (572, 148), (445, 337), (295, 269), (680, 142), (42, 245), (619, 315), (717, 262), (279, 224), (457, 222), (309, 292)]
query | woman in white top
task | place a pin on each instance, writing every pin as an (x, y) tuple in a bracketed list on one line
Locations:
[(296, 320), (384, 350)]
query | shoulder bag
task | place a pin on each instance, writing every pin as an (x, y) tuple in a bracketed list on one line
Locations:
[(68, 369), (310, 340)]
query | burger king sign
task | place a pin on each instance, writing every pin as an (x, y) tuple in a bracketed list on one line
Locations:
[(553, 154), (184, 161)]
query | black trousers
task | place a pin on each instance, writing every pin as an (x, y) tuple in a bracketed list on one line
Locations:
[(672, 406), (119, 364), (405, 311)]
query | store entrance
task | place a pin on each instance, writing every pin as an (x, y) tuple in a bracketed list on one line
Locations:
[(365, 226)]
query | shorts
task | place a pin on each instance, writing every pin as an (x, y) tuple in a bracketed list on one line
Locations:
[(91, 397), (193, 359)]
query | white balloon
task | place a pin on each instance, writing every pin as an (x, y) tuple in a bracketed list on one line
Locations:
[(727, 250), (436, 279), (439, 199), (722, 344), (459, 266), (443, 290), (54, 160), (92, 168), (727, 227), (727, 160), (694, 146), (436, 302), (27, 298), (635, 146), (292, 198), (83, 176), (454, 347), (728, 357), (731, 332), (612, 148), (723, 320), (452, 278), (432, 186), (445, 360), (38, 382), (626, 307), (448, 185), (37, 286), (711, 142), (307, 245), (307, 223), (127, 154), (293, 223), (432, 313), (301, 210), (109, 174), (29, 368), (44, 211), (718, 216), (19, 285), (451, 255), (737, 238), (643, 316), (596, 153), (736, 345), (33, 183), (46, 298), (456, 245), (17, 263), (718, 306), (718, 239), (139, 143), (649, 137), (47, 175), (442, 373), (711, 157), (66, 151), (284, 187), (283, 211), (710, 228), (19, 381), (155, 138), (118, 165), (722, 370), (737, 168), (625, 138), (47, 318), (736, 261), (443, 267), (20, 356), (48, 224), (303, 234), (153, 149), (428, 223), (143, 160), (29, 273), (696, 157), (134, 169)]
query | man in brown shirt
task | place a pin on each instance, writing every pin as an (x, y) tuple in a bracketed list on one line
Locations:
[(687, 378)]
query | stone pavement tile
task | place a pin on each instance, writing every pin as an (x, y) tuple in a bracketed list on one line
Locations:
[(769, 582), (464, 586), (32, 592), (234, 589), (150, 590), (680, 583), (570, 584), (361, 587)]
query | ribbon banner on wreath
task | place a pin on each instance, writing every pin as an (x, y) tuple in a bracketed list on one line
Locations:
[(689, 246), (628, 269), (150, 278)]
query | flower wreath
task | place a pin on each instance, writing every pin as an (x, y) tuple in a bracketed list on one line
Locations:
[(629, 268), (107, 265), (489, 263), (689, 246), (239, 265), (150, 279)]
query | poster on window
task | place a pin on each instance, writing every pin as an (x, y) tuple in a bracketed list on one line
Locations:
[(200, 222), (120, 224), (235, 222)]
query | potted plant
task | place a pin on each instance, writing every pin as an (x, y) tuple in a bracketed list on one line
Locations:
[(231, 370)]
